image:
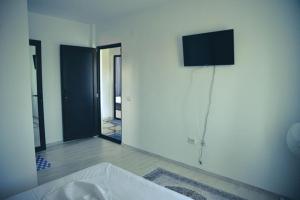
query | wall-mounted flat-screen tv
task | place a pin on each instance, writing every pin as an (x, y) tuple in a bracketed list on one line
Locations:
[(213, 48)]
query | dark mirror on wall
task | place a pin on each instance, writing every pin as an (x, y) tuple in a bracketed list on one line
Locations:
[(110, 90), (37, 95)]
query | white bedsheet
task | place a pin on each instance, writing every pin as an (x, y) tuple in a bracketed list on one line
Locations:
[(104, 181)]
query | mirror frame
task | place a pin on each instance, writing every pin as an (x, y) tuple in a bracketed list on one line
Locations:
[(38, 50), (98, 108)]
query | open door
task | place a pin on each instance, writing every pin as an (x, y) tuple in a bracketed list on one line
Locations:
[(78, 92)]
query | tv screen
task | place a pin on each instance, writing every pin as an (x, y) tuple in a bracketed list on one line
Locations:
[(214, 48)]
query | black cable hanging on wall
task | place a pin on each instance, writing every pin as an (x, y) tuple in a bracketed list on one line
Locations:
[(211, 87)]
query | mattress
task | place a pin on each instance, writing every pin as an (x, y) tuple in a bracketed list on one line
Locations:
[(104, 181)]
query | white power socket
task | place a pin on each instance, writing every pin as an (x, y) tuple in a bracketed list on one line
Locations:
[(191, 140)]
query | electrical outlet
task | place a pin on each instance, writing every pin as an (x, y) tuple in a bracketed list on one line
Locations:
[(128, 98), (191, 140)]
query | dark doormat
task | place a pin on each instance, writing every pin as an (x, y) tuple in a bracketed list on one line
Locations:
[(188, 187)]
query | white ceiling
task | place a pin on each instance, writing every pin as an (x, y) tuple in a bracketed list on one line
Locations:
[(91, 11)]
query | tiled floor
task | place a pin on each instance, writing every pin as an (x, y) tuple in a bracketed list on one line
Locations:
[(73, 156), (112, 127)]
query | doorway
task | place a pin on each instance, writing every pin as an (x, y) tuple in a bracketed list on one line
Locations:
[(110, 90), (37, 95)]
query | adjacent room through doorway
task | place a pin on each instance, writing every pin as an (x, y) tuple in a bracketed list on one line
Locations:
[(110, 73)]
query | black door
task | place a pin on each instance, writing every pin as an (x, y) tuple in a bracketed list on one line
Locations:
[(78, 91)]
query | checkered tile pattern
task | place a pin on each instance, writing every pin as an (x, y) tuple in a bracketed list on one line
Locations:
[(41, 163), (117, 136), (112, 128)]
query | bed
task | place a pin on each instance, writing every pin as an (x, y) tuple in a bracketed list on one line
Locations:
[(103, 181)]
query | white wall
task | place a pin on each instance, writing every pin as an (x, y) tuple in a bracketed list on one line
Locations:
[(52, 32), (254, 102), (17, 161)]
